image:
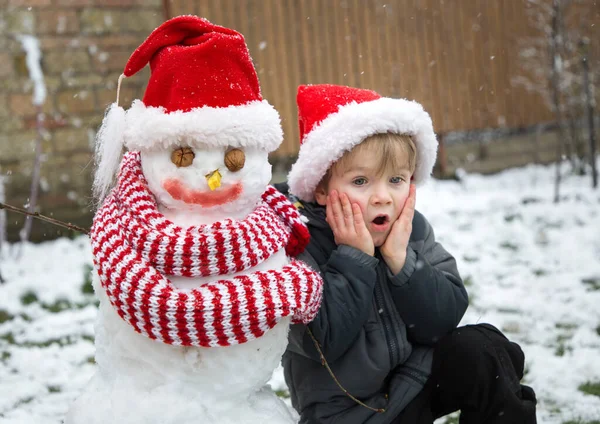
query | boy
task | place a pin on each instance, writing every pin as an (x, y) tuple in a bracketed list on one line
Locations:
[(392, 295)]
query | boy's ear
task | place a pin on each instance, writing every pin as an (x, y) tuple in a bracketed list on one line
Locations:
[(321, 195)]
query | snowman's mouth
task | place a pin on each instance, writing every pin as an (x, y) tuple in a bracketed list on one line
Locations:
[(178, 191)]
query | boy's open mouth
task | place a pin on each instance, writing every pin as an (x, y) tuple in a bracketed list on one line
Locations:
[(380, 219)]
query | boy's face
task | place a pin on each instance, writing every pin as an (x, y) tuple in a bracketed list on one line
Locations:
[(380, 195)]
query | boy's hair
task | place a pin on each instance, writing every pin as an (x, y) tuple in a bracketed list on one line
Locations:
[(393, 151)]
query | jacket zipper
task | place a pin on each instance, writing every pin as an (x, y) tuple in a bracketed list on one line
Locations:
[(413, 373), (387, 326)]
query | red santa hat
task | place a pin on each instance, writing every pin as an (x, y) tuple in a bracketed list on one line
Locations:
[(203, 90), (334, 119)]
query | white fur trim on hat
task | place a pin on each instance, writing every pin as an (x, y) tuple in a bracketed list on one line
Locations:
[(349, 126), (255, 124)]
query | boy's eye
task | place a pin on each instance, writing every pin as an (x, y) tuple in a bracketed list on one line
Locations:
[(396, 180), (359, 181)]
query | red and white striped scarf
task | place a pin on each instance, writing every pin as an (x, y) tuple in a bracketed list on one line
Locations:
[(135, 248)]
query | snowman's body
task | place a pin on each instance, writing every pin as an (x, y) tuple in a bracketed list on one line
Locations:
[(188, 212), (143, 381)]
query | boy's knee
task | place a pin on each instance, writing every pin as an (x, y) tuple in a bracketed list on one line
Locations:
[(501, 344), (464, 345), (474, 343), (479, 355)]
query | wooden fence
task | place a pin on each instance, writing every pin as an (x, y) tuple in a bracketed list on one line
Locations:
[(457, 57)]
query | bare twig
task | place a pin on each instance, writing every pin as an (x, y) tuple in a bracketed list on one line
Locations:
[(44, 218), (326, 365)]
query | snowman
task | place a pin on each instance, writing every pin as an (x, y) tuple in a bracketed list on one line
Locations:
[(193, 250)]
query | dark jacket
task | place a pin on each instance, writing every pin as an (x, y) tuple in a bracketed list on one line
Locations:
[(376, 329)]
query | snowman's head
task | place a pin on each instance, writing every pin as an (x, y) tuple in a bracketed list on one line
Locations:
[(215, 180), (203, 97)]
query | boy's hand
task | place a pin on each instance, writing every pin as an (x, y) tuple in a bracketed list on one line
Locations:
[(394, 248), (346, 221)]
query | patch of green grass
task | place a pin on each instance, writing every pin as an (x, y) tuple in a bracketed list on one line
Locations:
[(88, 338), (540, 272), (552, 406), (530, 200), (54, 389), (28, 298), (58, 306), (593, 283), (563, 337), (590, 388), (562, 347), (465, 227), (581, 422), (566, 325), (513, 216), (452, 419), (24, 401), (555, 410), (5, 316), (45, 343), (90, 360), (509, 310), (509, 246), (63, 341), (468, 281), (63, 304), (598, 330), (555, 225), (8, 337), (86, 287), (511, 327), (284, 394), (5, 356)]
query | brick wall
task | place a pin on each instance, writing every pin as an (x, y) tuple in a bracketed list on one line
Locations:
[(85, 45)]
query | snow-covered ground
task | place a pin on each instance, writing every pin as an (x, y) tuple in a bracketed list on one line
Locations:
[(532, 269)]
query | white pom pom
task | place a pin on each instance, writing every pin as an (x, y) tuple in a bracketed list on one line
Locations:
[(109, 148)]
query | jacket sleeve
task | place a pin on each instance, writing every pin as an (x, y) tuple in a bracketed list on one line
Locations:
[(348, 285), (428, 291)]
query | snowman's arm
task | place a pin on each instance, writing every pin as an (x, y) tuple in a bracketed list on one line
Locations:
[(348, 285)]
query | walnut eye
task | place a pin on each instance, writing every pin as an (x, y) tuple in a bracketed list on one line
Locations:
[(182, 157), (235, 160)]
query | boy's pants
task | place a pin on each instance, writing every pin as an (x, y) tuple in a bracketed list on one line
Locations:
[(476, 370)]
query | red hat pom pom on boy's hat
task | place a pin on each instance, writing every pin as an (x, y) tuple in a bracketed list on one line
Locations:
[(203, 90), (334, 119)]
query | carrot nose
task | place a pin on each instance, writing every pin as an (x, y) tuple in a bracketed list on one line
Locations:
[(214, 179)]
